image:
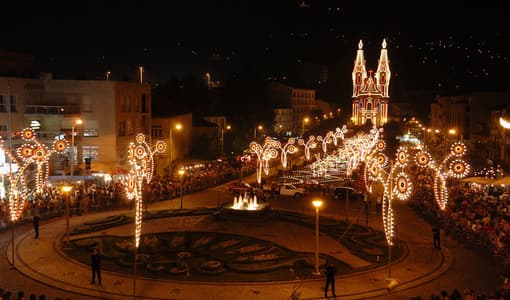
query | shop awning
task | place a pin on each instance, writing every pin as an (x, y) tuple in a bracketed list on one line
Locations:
[(479, 180), (504, 180)]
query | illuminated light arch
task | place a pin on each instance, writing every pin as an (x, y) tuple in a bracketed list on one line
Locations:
[(141, 158)]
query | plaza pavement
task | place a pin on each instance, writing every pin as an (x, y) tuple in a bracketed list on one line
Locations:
[(41, 267)]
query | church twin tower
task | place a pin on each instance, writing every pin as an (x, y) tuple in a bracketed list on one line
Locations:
[(370, 95)]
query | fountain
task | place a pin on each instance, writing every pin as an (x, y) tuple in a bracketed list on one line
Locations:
[(245, 207)]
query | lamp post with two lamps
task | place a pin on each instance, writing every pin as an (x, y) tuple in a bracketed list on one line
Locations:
[(317, 204), (75, 122)]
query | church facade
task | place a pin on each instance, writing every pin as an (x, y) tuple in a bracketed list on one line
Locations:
[(370, 92)]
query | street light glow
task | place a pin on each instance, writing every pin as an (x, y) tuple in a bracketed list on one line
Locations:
[(504, 123), (317, 203), (452, 131), (178, 126), (66, 188)]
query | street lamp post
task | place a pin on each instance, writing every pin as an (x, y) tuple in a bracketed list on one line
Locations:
[(222, 136), (181, 173), (177, 127), (255, 131), (317, 204), (305, 120), (75, 122), (66, 189)]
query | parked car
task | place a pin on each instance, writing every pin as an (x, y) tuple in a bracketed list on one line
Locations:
[(341, 193), (292, 190), (240, 187)]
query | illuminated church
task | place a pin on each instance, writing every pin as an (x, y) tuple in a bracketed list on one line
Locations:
[(370, 95)]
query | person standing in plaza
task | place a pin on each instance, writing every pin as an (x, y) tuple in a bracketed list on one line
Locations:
[(330, 279), (95, 261), (36, 218), (436, 232)]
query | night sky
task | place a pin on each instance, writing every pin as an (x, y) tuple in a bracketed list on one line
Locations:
[(431, 45)]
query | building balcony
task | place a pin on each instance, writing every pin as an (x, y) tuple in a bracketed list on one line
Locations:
[(52, 109)]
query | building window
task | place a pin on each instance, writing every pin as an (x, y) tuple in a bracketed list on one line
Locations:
[(144, 104), (3, 130), (122, 104), (87, 103), (122, 128), (90, 132), (156, 132), (3, 104), (129, 127), (13, 104), (91, 152)]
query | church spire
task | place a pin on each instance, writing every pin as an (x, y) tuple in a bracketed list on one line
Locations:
[(359, 73), (383, 73)]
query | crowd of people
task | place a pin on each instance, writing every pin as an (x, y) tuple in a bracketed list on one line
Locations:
[(478, 215), (8, 295), (86, 197)]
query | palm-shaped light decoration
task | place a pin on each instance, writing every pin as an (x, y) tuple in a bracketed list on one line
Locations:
[(289, 148), (396, 184), (328, 139), (339, 134), (310, 144), (264, 154), (33, 151), (452, 166), (16, 184), (141, 158)]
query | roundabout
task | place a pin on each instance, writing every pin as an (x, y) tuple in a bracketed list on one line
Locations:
[(209, 246), (197, 254)]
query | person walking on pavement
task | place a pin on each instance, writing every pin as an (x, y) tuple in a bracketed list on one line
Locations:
[(330, 279), (36, 218), (436, 231), (95, 261)]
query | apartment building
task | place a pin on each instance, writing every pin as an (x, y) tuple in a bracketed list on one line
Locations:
[(112, 113)]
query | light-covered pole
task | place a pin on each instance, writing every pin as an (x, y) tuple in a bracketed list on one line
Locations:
[(75, 122)]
